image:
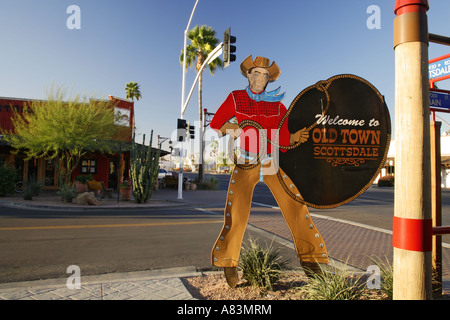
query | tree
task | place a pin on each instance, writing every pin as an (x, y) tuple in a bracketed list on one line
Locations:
[(203, 41), (133, 91), (215, 145), (64, 130)]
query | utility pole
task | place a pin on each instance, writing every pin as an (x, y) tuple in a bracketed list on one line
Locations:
[(183, 86), (412, 223)]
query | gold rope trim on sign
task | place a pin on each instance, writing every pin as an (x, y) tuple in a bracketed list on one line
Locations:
[(328, 83)]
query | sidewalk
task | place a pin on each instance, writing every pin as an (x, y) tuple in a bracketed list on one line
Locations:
[(160, 198), (164, 284), (146, 285), (346, 242)]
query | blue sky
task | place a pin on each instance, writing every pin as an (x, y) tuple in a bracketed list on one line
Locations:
[(140, 41)]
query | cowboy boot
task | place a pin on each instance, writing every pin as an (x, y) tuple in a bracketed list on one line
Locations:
[(231, 274)]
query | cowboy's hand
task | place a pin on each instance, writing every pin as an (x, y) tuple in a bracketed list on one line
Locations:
[(300, 136), (230, 128)]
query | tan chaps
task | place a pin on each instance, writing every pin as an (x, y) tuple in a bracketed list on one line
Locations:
[(308, 242)]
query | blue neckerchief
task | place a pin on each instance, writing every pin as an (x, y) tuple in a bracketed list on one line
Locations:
[(266, 96)]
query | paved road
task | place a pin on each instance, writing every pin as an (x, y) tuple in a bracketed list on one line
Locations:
[(37, 244), (42, 243)]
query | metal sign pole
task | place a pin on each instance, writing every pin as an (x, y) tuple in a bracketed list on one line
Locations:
[(183, 85)]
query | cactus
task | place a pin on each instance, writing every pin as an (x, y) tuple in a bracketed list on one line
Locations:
[(143, 169)]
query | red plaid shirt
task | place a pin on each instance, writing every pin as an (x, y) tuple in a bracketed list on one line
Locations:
[(268, 114)]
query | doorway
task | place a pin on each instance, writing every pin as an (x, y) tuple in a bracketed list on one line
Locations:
[(113, 173)]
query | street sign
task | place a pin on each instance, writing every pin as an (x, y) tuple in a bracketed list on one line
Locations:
[(439, 100), (439, 68), (349, 135)]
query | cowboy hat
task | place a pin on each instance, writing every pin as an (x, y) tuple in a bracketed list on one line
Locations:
[(260, 62)]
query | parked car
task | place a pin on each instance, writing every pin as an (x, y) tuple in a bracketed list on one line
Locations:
[(163, 173)]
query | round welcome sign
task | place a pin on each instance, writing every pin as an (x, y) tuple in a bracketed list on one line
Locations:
[(349, 135)]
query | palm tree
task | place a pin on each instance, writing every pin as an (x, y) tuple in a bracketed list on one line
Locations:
[(203, 41), (132, 90)]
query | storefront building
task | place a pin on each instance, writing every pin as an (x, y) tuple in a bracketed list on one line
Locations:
[(389, 167), (109, 168)]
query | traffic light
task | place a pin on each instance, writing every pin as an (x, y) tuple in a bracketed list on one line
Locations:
[(181, 130), (191, 131), (228, 48)]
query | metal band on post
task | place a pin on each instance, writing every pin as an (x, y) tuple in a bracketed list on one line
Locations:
[(410, 27), (411, 23)]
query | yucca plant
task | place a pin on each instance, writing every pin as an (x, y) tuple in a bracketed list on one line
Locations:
[(333, 285), (33, 188), (261, 267), (67, 192)]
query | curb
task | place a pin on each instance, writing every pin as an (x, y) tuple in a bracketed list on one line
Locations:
[(155, 203), (34, 206)]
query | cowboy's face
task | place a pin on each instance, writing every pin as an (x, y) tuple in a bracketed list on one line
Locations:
[(258, 79)]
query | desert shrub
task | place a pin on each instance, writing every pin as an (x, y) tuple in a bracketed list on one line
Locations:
[(84, 178), (8, 177), (333, 285), (33, 188), (210, 184), (261, 267), (67, 192)]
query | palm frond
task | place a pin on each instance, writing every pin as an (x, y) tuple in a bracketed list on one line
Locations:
[(203, 41)]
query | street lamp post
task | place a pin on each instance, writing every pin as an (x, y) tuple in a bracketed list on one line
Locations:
[(183, 85)]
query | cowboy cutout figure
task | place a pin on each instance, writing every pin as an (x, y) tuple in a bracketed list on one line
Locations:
[(259, 114)]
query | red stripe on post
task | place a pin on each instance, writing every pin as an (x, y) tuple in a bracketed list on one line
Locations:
[(405, 6), (412, 234)]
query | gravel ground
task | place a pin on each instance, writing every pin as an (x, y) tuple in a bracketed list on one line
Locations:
[(214, 287)]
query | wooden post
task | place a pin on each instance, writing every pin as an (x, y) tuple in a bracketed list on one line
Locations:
[(436, 206), (412, 229)]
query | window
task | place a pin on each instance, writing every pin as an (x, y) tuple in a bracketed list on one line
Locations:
[(89, 166)]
